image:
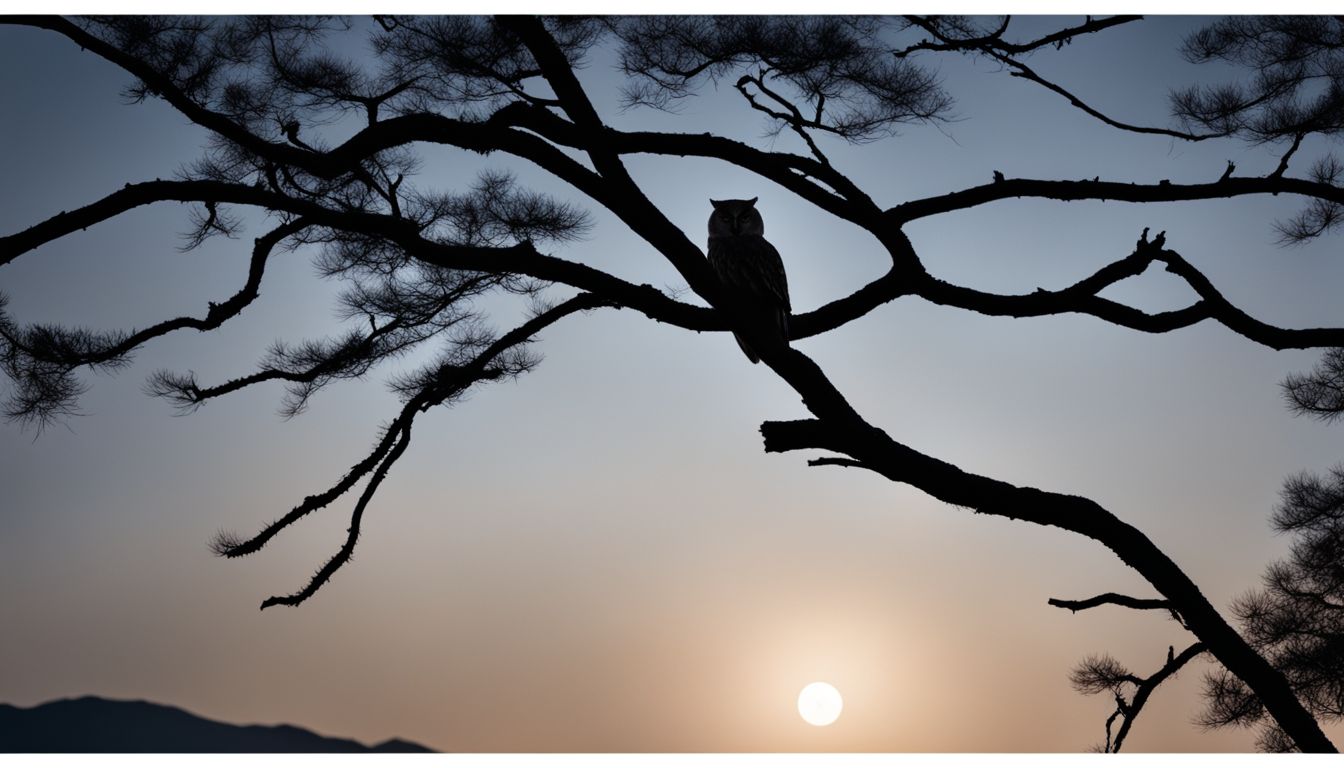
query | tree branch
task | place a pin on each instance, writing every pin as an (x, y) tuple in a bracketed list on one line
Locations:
[(521, 259), (41, 360), (1111, 598), (1107, 190), (836, 426), (1129, 712), (839, 429), (133, 196), (1081, 298), (1003, 52), (994, 40), (450, 382)]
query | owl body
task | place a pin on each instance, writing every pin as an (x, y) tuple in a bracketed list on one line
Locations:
[(748, 266)]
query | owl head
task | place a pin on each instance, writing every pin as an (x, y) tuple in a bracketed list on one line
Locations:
[(734, 218)]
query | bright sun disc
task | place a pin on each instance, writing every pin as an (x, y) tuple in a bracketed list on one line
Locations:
[(820, 703)]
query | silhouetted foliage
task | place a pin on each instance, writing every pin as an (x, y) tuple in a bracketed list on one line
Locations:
[(838, 72), (1321, 392), (1295, 66), (416, 264), (1297, 619), (1294, 88)]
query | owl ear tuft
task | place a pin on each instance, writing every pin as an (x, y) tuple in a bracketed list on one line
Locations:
[(716, 203), (752, 201)]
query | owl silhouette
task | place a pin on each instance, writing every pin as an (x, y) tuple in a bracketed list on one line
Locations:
[(749, 267)]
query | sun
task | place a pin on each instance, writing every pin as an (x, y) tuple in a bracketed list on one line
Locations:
[(820, 703)]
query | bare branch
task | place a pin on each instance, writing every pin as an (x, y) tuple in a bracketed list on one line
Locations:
[(450, 382), (1149, 684), (833, 461), (993, 46), (1108, 190), (994, 40), (839, 429), (1111, 598), (1081, 297), (1027, 73)]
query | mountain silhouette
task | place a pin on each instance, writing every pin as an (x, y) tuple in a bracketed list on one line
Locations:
[(93, 724)]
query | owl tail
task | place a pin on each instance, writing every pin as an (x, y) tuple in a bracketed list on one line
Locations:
[(782, 319), (741, 342)]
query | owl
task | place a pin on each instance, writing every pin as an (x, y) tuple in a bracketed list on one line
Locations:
[(749, 266)]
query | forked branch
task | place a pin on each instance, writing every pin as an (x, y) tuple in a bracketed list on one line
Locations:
[(1100, 674), (450, 381)]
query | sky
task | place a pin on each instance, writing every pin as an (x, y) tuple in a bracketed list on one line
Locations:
[(599, 556)]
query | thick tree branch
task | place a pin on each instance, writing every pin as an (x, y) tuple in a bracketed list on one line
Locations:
[(620, 193), (1107, 190), (133, 196), (839, 429), (1096, 190), (535, 133), (521, 259), (1081, 298)]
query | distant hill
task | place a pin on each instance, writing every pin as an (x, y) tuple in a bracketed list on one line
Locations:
[(91, 724)]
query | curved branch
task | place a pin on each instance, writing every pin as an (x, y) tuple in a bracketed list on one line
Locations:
[(996, 48), (495, 134), (794, 118), (43, 359), (347, 549), (619, 192), (1027, 73), (157, 83), (994, 40), (348, 359), (793, 172), (1112, 598), (839, 429), (133, 196), (522, 259), (451, 381), (1080, 298)]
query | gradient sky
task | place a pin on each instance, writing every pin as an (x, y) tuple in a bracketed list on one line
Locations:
[(600, 556)]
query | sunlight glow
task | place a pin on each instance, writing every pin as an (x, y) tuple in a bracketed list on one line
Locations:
[(820, 703)]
